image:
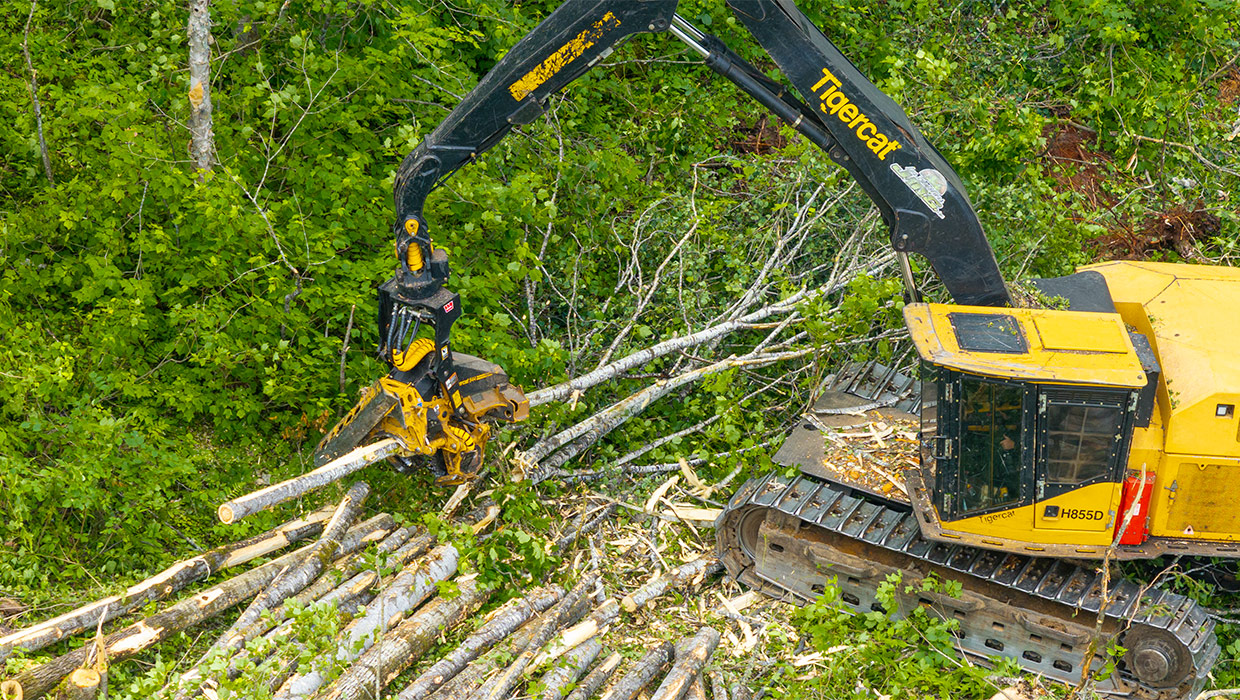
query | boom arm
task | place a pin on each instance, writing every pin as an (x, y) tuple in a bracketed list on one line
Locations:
[(861, 129)]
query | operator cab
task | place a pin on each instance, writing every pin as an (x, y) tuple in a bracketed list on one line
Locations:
[(1027, 417)]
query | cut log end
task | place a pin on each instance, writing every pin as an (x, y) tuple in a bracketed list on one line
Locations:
[(83, 684), (225, 514)]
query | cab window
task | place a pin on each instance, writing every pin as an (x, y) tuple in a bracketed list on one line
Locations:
[(990, 444), (1080, 442)]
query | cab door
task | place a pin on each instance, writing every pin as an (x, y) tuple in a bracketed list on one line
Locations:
[(1081, 448)]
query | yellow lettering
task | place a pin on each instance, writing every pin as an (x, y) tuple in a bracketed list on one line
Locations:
[(826, 78), (836, 101)]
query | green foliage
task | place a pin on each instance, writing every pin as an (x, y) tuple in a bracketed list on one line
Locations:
[(905, 650), (171, 339)]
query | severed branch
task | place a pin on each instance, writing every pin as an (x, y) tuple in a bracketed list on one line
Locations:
[(540, 463)]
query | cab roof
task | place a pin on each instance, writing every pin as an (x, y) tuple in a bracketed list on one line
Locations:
[(1046, 345)]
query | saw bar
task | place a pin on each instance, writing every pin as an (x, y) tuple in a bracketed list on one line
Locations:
[(788, 537)]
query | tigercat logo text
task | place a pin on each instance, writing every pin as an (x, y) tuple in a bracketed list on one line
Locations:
[(835, 102)]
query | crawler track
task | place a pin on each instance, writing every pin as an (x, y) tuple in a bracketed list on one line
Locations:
[(788, 537)]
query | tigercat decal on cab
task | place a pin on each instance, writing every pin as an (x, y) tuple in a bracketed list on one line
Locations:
[(563, 56), (834, 101)]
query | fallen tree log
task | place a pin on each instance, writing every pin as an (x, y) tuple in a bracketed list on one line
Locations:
[(409, 589), (571, 667), (696, 689), (502, 623), (508, 679), (335, 470), (296, 577), (142, 635), (596, 678), (691, 656), (400, 550), (398, 649), (686, 574), (642, 673), (165, 583)]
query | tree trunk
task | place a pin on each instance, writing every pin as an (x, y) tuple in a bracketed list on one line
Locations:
[(294, 579), (409, 589), (397, 650), (508, 680), (596, 678), (569, 669), (335, 470), (650, 666), (691, 656), (164, 584), (502, 623), (142, 635), (202, 143), (34, 97)]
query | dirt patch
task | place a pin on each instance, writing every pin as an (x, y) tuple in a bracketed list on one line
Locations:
[(1176, 229), (1083, 165), (1229, 89), (760, 138)]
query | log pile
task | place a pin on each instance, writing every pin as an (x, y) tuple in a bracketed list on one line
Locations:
[(379, 599)]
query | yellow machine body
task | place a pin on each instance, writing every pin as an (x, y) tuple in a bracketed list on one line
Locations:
[(1070, 409)]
